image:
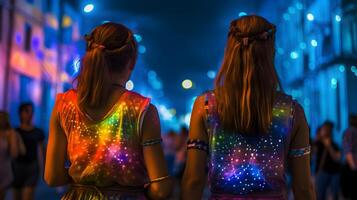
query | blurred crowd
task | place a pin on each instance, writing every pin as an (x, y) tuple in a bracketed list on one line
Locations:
[(334, 163)]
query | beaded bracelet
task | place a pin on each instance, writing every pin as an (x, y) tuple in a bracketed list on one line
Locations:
[(197, 144)]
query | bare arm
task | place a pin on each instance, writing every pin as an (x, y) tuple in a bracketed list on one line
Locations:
[(194, 178), (41, 156), (347, 148), (55, 172), (13, 144), (300, 166), (154, 157), (350, 161)]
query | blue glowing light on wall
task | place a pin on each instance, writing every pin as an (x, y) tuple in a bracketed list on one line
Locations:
[(313, 43), (310, 17), (294, 55)]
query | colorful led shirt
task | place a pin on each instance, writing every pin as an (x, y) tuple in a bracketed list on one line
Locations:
[(106, 152), (250, 166)]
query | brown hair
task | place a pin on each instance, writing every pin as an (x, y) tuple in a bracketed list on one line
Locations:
[(4, 121), (110, 48), (247, 81)]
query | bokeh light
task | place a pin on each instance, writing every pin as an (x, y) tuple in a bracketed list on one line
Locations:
[(310, 17), (129, 85), (187, 84), (313, 43), (88, 8), (294, 55)]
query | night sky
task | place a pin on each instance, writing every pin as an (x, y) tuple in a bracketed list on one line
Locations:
[(184, 39)]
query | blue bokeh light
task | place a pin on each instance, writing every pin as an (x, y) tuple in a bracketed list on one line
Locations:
[(142, 49), (88, 8), (294, 55)]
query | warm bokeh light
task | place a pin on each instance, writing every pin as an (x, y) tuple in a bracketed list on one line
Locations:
[(187, 84)]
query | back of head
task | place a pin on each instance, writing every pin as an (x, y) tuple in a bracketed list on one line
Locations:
[(4, 121), (111, 48), (247, 82)]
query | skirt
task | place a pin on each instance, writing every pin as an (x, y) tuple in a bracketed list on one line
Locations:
[(91, 192)]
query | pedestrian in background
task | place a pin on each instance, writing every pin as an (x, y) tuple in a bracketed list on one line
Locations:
[(328, 165), (27, 168), (11, 146), (349, 175)]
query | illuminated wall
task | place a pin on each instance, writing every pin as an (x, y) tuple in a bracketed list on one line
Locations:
[(315, 57), (35, 74)]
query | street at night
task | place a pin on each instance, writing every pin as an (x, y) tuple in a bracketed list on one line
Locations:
[(180, 99)]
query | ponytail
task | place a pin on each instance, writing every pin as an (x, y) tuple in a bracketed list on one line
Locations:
[(93, 78), (110, 48)]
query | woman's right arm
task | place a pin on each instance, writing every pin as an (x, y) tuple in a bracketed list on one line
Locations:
[(55, 172), (300, 163), (161, 185), (194, 178)]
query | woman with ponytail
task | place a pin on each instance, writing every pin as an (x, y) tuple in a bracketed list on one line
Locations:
[(110, 136), (247, 129)]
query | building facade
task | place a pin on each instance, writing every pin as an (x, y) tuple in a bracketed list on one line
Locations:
[(316, 59), (38, 40)]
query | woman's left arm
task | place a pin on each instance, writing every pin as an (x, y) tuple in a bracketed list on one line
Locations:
[(55, 172)]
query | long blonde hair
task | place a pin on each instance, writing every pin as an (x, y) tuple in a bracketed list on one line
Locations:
[(247, 81)]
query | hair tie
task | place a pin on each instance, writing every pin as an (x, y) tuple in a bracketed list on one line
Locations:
[(245, 41), (99, 46)]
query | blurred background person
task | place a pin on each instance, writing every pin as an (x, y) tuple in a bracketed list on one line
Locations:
[(181, 149), (11, 146), (328, 166), (169, 143), (349, 178), (28, 168)]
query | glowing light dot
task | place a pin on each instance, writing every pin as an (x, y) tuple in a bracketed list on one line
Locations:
[(294, 55), (88, 8), (187, 84), (142, 49), (313, 43), (342, 68), (310, 17), (338, 18), (211, 74), (129, 85), (138, 37), (241, 14), (333, 82)]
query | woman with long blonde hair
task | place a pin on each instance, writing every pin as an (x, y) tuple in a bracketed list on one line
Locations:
[(110, 135), (246, 129)]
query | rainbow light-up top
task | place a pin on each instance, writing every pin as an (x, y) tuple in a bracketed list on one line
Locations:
[(249, 165), (106, 152)]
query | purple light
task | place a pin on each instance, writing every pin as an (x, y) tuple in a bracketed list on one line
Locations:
[(18, 38)]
